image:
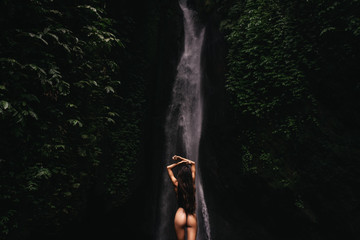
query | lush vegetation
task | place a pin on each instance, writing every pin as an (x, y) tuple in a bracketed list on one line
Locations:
[(78, 79), (292, 80), (71, 107)]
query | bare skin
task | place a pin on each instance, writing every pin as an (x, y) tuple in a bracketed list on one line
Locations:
[(182, 221)]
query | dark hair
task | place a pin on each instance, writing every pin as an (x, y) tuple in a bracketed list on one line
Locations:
[(186, 191)]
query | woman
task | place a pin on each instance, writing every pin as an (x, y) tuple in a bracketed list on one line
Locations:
[(184, 185)]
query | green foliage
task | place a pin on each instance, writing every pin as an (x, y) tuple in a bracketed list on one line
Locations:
[(63, 112), (266, 82), (291, 79)]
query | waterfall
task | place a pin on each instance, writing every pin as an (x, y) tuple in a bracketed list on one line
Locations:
[(183, 129)]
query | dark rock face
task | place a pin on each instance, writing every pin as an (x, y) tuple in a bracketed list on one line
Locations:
[(162, 74), (213, 144)]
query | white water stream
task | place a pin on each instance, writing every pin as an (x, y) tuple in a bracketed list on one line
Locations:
[(183, 129)]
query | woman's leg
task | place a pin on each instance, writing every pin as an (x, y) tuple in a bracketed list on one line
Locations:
[(180, 224), (191, 227)]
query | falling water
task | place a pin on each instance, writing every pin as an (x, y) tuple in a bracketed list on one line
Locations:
[(183, 128)]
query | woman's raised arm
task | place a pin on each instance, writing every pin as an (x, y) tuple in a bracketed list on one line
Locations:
[(192, 163), (170, 172)]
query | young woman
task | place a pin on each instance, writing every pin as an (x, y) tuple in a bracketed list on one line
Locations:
[(184, 185)]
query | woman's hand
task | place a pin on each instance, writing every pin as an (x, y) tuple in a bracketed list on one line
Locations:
[(178, 158), (183, 160)]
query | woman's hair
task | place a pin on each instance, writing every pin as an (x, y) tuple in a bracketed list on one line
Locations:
[(186, 191)]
